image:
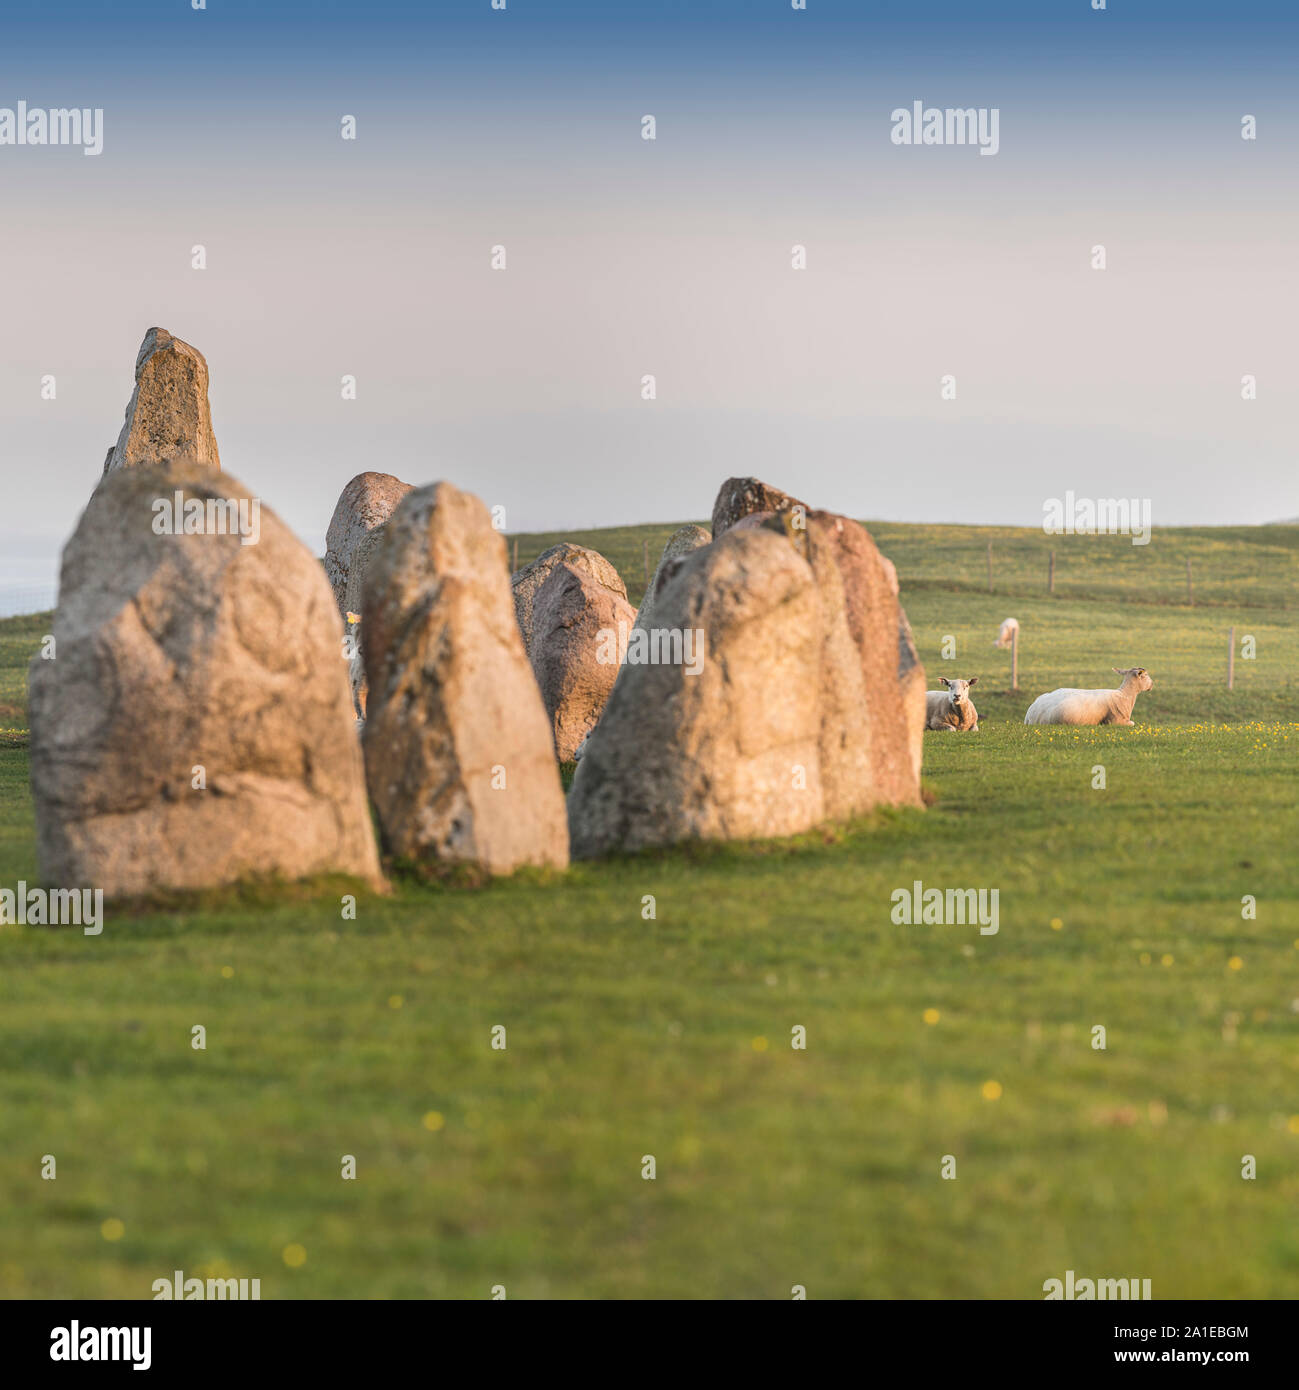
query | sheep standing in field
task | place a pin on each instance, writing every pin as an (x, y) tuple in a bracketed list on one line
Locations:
[(952, 709), (1092, 706), (1007, 634)]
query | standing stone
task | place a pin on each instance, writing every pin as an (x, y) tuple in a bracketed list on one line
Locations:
[(912, 685), (193, 729), (730, 752), (868, 713), (911, 676), (682, 541), (458, 752), (168, 416), (579, 628), (366, 502), (528, 581), (806, 706), (890, 574), (353, 599), (872, 724), (738, 497)]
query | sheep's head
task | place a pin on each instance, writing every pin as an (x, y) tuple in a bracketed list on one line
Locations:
[(1138, 674), (959, 690)]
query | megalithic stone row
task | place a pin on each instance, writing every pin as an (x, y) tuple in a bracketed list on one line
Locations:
[(458, 751)]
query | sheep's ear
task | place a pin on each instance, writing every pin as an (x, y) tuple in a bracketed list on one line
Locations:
[(974, 680), (1117, 672), (942, 680)]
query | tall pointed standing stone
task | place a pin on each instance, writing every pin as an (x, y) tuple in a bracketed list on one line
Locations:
[(168, 416), (458, 752)]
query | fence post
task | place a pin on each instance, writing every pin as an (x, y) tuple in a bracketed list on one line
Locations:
[(1014, 660), (645, 560), (1050, 575), (1231, 659), (989, 566), (1190, 588), (516, 555)]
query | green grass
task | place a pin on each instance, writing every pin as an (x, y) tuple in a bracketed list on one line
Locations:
[(629, 1037), (633, 550)]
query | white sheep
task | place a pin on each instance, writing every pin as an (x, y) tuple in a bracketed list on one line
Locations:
[(1006, 636), (1092, 706), (952, 709)]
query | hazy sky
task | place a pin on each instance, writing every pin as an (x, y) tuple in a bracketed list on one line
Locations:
[(626, 257)]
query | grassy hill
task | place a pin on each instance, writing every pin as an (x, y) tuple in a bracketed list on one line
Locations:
[(1118, 907)]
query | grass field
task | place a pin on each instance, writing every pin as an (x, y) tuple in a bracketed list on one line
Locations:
[(475, 1167)]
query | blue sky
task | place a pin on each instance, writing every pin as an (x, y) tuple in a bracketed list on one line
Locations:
[(626, 257)]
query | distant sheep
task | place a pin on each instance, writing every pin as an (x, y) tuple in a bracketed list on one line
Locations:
[(1006, 636), (952, 709), (1092, 706)]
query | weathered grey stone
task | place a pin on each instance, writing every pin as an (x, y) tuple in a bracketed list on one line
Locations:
[(890, 574), (682, 541), (729, 753), (168, 416), (193, 729), (872, 726), (868, 718), (912, 686), (805, 709), (910, 676), (366, 502), (458, 752), (578, 629), (738, 497), (527, 581), (352, 602)]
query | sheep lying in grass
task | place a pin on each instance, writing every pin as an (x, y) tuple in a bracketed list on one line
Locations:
[(1092, 706), (952, 709), (1007, 634)]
